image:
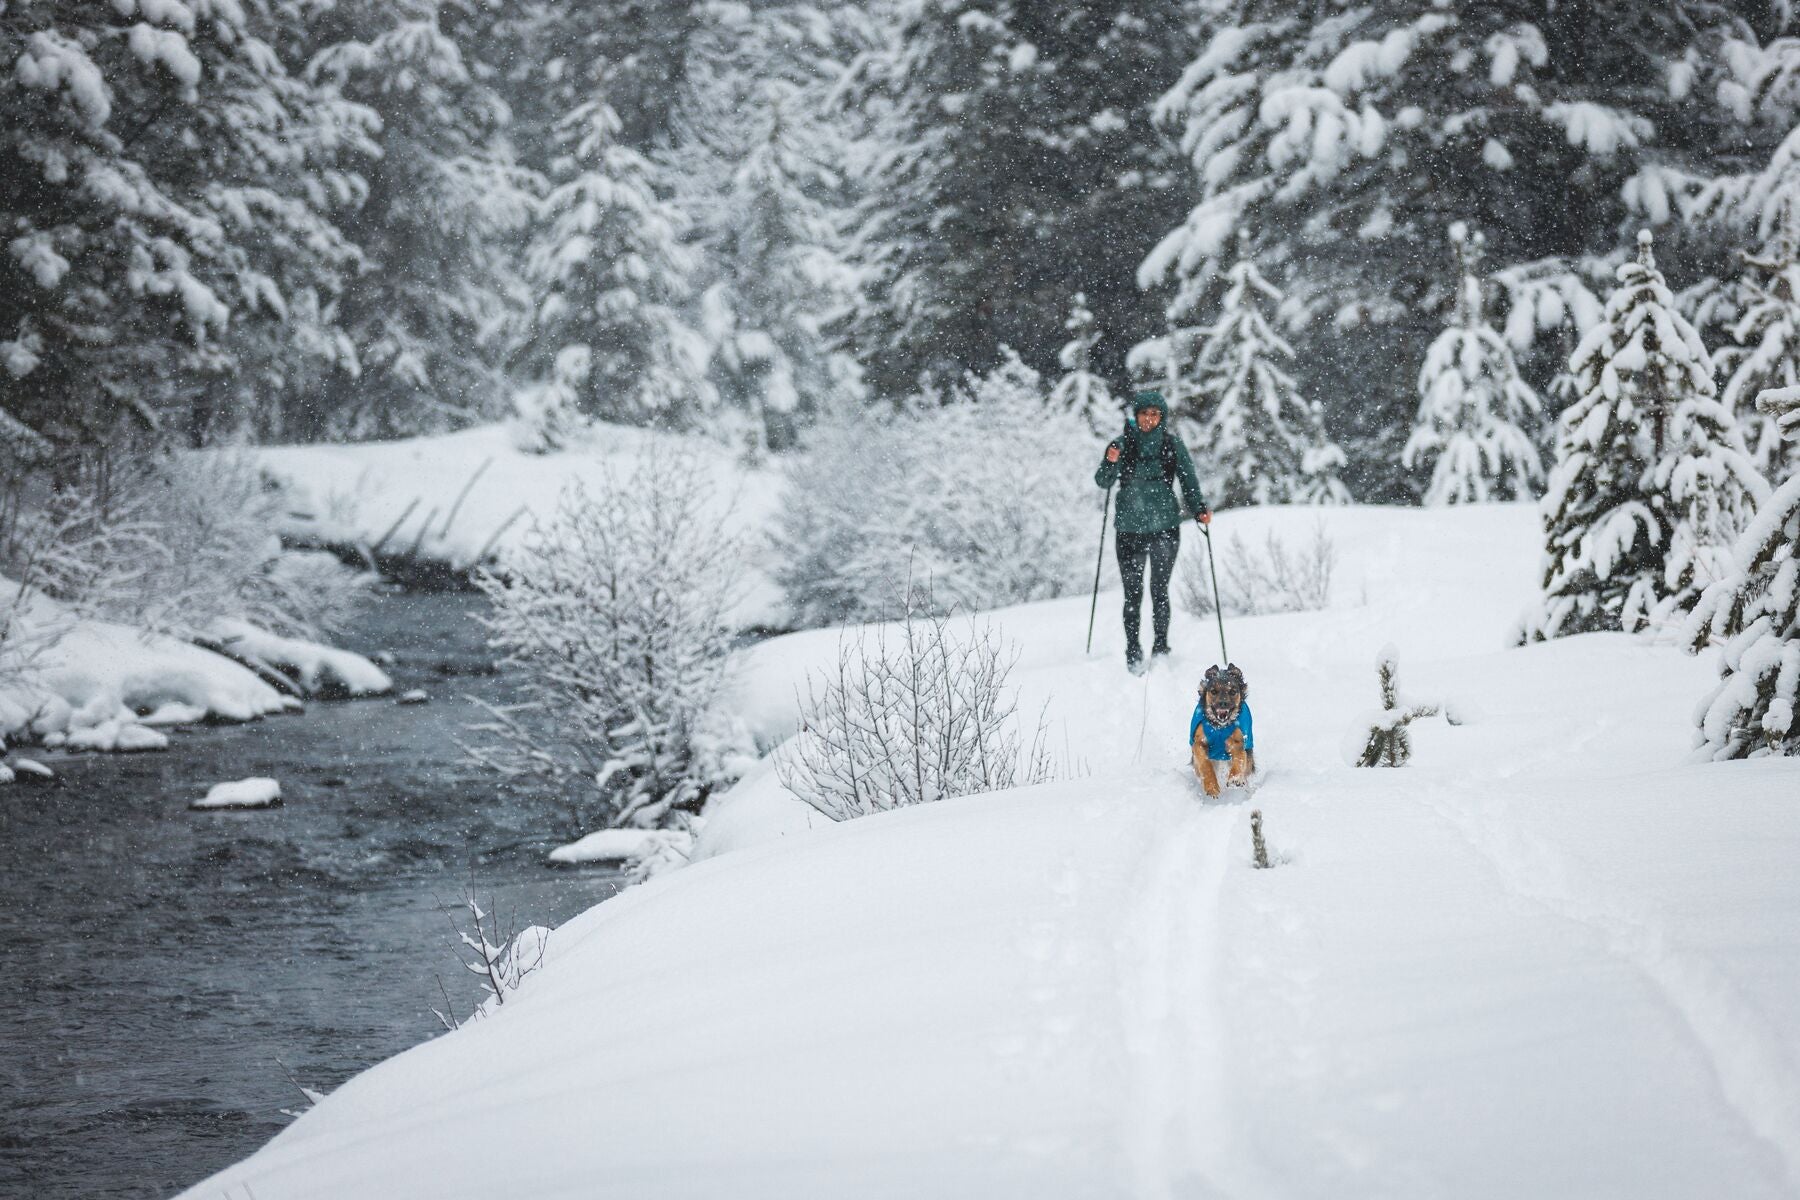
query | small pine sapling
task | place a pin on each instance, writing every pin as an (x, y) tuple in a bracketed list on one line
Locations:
[(1080, 391), (1754, 614), (1474, 409), (1389, 744), (1266, 443)]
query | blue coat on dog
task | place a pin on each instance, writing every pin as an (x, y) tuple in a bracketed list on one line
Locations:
[(1218, 735)]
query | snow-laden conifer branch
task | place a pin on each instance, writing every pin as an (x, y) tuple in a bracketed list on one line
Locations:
[(1753, 614)]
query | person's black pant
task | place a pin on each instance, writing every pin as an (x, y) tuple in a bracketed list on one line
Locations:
[(1159, 550)]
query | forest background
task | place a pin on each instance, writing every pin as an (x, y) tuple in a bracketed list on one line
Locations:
[(231, 220)]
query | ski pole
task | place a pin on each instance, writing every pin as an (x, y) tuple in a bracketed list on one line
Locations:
[(1099, 561), (1218, 609)]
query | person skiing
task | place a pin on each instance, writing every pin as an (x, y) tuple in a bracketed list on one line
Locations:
[(1148, 459)]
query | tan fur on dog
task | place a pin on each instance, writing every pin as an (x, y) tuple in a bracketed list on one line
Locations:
[(1243, 763)]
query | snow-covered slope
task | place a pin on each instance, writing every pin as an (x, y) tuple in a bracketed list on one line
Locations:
[(1550, 958)]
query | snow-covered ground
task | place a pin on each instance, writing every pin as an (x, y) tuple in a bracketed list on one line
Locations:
[(1552, 957), (461, 496)]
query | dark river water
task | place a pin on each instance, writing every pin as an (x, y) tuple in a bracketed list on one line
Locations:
[(159, 966)]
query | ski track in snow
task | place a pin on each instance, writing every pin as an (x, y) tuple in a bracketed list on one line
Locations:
[(1755, 1074), (1175, 1127)]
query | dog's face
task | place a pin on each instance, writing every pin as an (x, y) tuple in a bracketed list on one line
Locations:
[(1222, 693)]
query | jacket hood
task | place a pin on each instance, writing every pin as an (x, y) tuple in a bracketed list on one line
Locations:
[(1150, 399)]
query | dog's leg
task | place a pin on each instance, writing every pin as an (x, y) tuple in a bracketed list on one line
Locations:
[(1203, 767), (1242, 766)]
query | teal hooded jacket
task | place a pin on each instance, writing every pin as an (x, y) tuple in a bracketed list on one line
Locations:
[(1147, 500)]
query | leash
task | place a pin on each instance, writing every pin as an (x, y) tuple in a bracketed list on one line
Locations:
[(1099, 561), (1218, 609)]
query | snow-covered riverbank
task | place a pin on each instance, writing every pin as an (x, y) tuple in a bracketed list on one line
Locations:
[(81, 683), (1551, 957), (457, 499)]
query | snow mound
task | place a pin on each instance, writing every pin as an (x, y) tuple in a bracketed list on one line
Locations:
[(317, 670), (255, 792), (622, 846)]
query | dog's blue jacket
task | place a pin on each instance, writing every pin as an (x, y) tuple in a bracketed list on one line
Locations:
[(1217, 736)]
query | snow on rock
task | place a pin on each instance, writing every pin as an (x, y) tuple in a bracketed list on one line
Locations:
[(255, 792), (92, 679), (316, 669), (174, 713), (1551, 958), (621, 846), (115, 733), (30, 769)]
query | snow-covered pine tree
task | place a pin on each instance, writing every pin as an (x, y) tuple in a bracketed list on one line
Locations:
[(1260, 442), (1322, 466), (1340, 134), (1473, 407), (1080, 390), (757, 149), (1651, 481), (167, 261), (428, 311), (1755, 613), (612, 274), (1022, 160)]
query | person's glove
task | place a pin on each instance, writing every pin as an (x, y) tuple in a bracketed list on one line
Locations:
[(1204, 516)]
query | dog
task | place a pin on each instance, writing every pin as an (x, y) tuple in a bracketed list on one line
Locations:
[(1221, 730)]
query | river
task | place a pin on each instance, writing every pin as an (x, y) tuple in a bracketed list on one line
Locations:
[(161, 966)]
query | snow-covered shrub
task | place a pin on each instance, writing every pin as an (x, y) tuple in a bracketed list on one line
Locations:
[(986, 492), (612, 615), (1652, 481), (1755, 613), (493, 948), (1388, 743), (1258, 581), (179, 543), (48, 547), (914, 712), (1477, 417)]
